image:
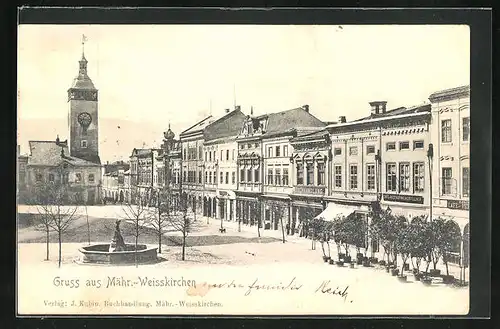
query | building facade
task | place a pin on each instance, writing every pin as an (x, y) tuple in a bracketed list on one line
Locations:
[(450, 136), (172, 165), (144, 164), (265, 164), (74, 162)]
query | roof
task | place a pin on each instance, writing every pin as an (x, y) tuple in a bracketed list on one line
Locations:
[(451, 93), (288, 120), (199, 126), (306, 136), (52, 153), (227, 125), (140, 152), (398, 111)]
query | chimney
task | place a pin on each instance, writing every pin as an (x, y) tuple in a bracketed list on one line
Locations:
[(342, 119), (237, 108), (305, 108), (227, 110), (378, 107)]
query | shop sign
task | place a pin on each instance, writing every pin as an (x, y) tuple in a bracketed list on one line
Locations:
[(458, 204), (404, 198)]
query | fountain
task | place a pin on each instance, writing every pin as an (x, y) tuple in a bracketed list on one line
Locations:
[(118, 252)]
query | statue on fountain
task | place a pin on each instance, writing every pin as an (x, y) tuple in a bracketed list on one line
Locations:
[(117, 244)]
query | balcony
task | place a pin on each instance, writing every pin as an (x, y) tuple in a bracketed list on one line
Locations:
[(250, 187), (309, 190)]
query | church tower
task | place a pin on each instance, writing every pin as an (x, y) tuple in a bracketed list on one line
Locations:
[(83, 118)]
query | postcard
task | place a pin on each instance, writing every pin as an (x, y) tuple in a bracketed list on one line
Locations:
[(243, 170)]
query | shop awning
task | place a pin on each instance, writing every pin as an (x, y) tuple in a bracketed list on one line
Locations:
[(334, 210)]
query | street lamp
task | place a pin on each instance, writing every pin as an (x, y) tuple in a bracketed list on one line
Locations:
[(430, 156)]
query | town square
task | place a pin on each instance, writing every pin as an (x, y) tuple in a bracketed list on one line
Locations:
[(301, 181)]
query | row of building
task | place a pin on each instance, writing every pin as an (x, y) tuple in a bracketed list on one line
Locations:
[(242, 167), (288, 166)]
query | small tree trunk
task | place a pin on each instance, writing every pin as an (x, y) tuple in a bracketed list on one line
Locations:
[(136, 238), (47, 242), (239, 225), (282, 229), (183, 246), (60, 246), (159, 240), (258, 227)]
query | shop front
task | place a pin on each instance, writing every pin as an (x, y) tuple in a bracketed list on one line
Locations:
[(248, 210), (227, 202)]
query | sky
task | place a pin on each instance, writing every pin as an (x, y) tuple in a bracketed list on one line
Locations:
[(151, 76)]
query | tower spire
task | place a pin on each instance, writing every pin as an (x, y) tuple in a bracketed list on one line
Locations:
[(84, 39)]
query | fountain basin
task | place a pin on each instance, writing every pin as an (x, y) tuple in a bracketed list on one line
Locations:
[(100, 254)]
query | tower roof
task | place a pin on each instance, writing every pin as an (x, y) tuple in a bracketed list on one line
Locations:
[(83, 81)]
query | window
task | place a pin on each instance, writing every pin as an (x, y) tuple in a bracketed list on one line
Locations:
[(91, 178), (321, 173), (418, 145), (404, 177), (391, 146), (78, 177), (465, 181), (269, 152), (249, 146), (278, 149), (353, 177), (249, 174), (277, 176), (184, 154), (300, 174), (256, 145), (353, 150), (38, 177), (233, 177), (310, 173), (234, 151), (370, 177), (465, 129), (210, 156), (206, 156), (84, 144), (446, 181), (51, 178), (215, 158), (338, 176), (370, 149), (200, 152), (221, 177), (285, 150), (269, 177), (184, 176), (227, 155), (391, 177), (242, 146), (227, 177), (446, 131), (221, 155), (337, 151), (200, 177), (418, 177), (206, 176), (242, 175), (285, 176), (404, 145), (256, 175)]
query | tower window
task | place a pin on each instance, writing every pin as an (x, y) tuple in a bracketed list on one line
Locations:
[(84, 144)]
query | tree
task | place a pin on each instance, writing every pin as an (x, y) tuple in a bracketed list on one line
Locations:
[(323, 233), (450, 240), (308, 227), (437, 234), (139, 215), (160, 219), (35, 197), (255, 210), (339, 234), (419, 245), (355, 227), (384, 226), (403, 242), (183, 222), (58, 215)]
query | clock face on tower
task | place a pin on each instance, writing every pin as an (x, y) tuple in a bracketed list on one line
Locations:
[(84, 119)]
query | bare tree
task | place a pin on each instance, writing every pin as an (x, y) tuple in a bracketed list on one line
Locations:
[(184, 222), (255, 209), (139, 215), (35, 197), (160, 220), (57, 214)]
